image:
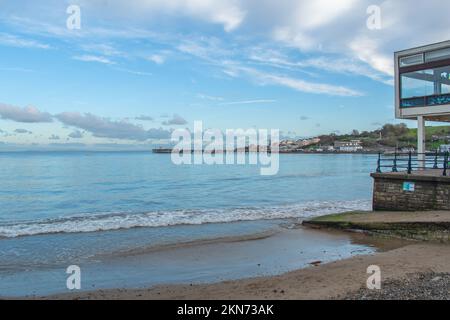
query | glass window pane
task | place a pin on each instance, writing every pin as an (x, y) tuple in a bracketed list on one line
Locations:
[(437, 55), (425, 87), (417, 84), (411, 60)]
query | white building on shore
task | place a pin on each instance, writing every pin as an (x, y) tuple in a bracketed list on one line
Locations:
[(348, 146)]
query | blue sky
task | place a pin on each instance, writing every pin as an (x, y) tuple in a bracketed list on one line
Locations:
[(138, 69)]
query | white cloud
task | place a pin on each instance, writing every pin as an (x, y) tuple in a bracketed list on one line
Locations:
[(22, 131), (208, 97), (15, 41), (367, 50), (256, 101), (26, 115), (305, 24), (294, 38), (107, 128), (145, 118), (157, 58), (225, 12), (350, 66), (176, 120), (134, 72), (328, 63), (54, 137), (76, 134), (310, 87), (318, 13), (103, 49), (302, 85), (210, 49), (228, 13), (335, 30), (92, 58), (339, 27)]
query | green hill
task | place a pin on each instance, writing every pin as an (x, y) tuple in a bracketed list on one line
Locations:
[(393, 136)]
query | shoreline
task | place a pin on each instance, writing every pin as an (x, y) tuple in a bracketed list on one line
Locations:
[(404, 264), (304, 152), (289, 247), (334, 280)]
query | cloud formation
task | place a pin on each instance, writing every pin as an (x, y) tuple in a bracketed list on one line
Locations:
[(26, 115), (144, 118), (93, 58), (256, 101), (320, 26), (22, 131), (176, 120), (157, 58), (15, 41), (228, 13), (76, 134), (107, 128)]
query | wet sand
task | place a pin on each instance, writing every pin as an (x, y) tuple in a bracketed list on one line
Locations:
[(262, 267), (334, 280)]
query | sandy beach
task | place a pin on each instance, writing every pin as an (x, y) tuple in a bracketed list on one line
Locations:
[(404, 265), (322, 261), (334, 280)]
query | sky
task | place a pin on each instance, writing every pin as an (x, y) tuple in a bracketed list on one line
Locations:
[(136, 70)]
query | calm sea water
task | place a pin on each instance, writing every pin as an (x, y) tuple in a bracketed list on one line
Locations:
[(80, 192), (60, 208)]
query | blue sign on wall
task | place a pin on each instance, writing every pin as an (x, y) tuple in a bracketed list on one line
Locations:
[(409, 186)]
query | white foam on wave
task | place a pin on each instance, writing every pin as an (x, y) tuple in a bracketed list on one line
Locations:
[(115, 221)]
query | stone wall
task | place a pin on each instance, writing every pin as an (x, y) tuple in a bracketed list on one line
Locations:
[(426, 192)]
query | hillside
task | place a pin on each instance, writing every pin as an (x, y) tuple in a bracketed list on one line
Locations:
[(392, 136)]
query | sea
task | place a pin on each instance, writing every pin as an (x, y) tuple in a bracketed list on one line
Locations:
[(103, 210)]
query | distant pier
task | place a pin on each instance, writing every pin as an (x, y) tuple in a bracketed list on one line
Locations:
[(162, 150), (246, 150)]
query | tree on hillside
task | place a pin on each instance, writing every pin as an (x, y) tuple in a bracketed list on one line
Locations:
[(391, 130)]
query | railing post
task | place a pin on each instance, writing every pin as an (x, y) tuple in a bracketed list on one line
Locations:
[(445, 164), (436, 160), (410, 163), (379, 163), (394, 167)]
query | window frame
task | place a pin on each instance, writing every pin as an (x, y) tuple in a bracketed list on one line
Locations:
[(420, 67)]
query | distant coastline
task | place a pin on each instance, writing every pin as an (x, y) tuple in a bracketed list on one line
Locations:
[(169, 150)]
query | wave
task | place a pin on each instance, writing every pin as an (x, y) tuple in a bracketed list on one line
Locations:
[(116, 221)]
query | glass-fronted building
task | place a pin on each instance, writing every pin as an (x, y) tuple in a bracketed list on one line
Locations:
[(422, 86), (423, 81)]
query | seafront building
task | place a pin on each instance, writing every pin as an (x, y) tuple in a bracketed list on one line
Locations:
[(422, 93), (422, 87), (348, 146)]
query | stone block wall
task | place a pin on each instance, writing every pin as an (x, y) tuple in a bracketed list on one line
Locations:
[(430, 193)]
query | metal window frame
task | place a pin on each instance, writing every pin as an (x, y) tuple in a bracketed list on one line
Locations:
[(414, 112)]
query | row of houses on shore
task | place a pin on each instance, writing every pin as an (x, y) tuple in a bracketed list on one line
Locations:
[(313, 144), (351, 146)]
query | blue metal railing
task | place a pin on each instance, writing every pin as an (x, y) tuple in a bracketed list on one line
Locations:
[(409, 162)]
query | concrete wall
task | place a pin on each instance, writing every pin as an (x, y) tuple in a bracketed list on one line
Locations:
[(430, 192)]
